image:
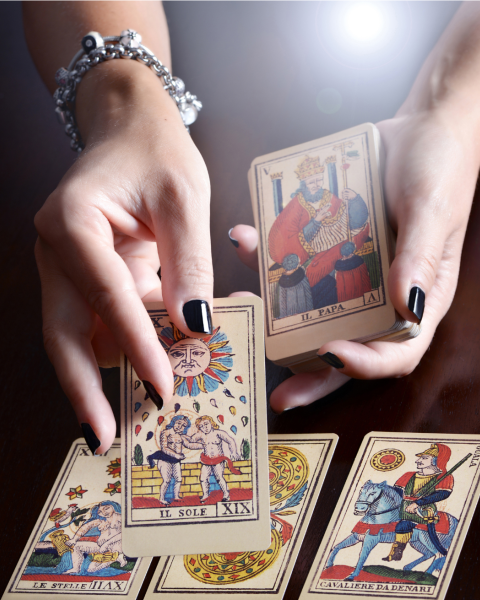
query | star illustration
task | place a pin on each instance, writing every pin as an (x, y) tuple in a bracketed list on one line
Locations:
[(114, 468), (113, 488), (76, 492)]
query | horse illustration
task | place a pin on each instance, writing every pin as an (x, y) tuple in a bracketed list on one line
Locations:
[(379, 503)]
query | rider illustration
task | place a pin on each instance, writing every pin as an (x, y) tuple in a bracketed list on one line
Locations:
[(420, 492)]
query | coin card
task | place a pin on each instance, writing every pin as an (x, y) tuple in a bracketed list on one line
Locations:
[(196, 471), (297, 468), (400, 523), (75, 550), (323, 245)]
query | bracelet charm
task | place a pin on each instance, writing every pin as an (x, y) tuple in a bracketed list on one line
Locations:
[(95, 50)]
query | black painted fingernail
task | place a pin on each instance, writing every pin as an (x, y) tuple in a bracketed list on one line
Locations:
[(159, 273), (154, 395), (233, 240), (92, 441), (197, 316), (416, 302), (332, 360)]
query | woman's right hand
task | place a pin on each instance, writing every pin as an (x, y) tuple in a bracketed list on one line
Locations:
[(431, 169), (137, 196)]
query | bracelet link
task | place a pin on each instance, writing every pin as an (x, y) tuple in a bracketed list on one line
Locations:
[(95, 50)]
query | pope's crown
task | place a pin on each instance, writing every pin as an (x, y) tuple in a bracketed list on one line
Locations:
[(308, 167)]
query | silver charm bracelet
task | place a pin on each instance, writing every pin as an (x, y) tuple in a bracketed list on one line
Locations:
[(97, 49)]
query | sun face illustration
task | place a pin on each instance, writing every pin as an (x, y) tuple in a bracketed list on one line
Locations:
[(197, 365)]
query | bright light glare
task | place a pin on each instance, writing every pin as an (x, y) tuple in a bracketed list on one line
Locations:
[(363, 22)]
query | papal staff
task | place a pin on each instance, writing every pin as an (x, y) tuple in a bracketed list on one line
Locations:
[(344, 166)]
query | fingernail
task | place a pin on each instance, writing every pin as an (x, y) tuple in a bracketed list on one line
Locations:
[(280, 412), (233, 240), (416, 302), (197, 316), (92, 441), (154, 395), (159, 273), (332, 360)]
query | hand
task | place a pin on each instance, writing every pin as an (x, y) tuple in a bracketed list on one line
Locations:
[(323, 212), (71, 543), (430, 176), (138, 193), (412, 508), (348, 194)]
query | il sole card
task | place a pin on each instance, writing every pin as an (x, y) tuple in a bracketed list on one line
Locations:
[(75, 549), (297, 468), (400, 523), (196, 472)]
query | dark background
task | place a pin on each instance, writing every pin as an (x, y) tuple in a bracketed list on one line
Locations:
[(259, 68)]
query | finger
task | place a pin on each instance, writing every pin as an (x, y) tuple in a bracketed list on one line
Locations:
[(376, 360), (107, 351), (430, 230), (420, 252), (245, 240), (68, 324), (88, 257), (181, 223), (306, 388), (141, 259)]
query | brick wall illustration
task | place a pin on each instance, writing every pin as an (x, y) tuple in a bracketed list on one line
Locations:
[(146, 482)]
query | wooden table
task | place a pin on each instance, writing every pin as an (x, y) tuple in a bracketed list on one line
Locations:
[(258, 79)]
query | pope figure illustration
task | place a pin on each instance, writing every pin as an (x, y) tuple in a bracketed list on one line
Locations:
[(315, 238)]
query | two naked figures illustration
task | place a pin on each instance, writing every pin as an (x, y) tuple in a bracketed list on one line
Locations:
[(208, 438)]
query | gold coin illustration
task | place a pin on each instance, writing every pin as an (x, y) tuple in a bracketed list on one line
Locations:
[(232, 567), (387, 460), (288, 472)]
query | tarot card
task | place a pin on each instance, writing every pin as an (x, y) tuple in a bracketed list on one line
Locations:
[(196, 472), (400, 523), (75, 549), (323, 251), (297, 468)]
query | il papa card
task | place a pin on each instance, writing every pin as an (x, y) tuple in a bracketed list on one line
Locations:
[(297, 468), (196, 472), (75, 549), (324, 245), (400, 523)]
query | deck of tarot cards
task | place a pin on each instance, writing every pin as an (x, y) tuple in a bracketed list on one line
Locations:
[(325, 247)]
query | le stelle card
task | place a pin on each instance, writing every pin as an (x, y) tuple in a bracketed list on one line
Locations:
[(196, 471), (400, 523), (75, 550), (297, 468), (324, 244)]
